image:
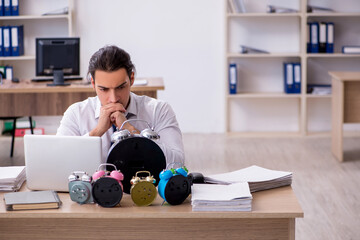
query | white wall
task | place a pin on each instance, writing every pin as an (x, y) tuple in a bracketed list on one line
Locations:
[(181, 41)]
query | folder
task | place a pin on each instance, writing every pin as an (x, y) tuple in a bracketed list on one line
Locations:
[(330, 37), (1, 41), (308, 48), (17, 40), (1, 8), (297, 77), (14, 7), (322, 37), (9, 72), (6, 41), (351, 49), (314, 36), (233, 78), (7, 8), (288, 78)]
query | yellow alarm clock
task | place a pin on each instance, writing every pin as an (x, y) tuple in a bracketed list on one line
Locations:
[(143, 191)]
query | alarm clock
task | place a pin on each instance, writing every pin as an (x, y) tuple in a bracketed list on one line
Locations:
[(136, 152), (80, 187), (107, 187), (143, 191), (175, 185)]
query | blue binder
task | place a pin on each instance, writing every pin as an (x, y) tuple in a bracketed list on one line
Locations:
[(232, 78), (9, 72), (314, 37), (330, 37), (1, 41), (297, 77), (14, 7), (308, 48), (7, 7), (288, 78), (322, 37), (17, 40), (1, 8), (6, 41)]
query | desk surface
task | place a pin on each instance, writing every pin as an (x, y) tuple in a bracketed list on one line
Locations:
[(275, 203), (274, 212), (345, 76), (26, 86)]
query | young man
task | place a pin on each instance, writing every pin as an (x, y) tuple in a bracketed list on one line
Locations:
[(112, 75)]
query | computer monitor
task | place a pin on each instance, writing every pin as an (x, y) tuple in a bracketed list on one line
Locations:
[(57, 57)]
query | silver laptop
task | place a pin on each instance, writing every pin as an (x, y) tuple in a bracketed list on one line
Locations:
[(50, 159)]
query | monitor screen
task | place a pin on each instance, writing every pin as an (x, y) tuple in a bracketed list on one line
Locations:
[(57, 57)]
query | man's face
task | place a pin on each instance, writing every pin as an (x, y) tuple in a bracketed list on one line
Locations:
[(113, 87)]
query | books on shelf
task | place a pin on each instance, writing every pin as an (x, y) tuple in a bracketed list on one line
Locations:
[(316, 9), (247, 49), (12, 40), (214, 197), (60, 11), (320, 37), (23, 131), (319, 89), (12, 178), (277, 9), (233, 78), (32, 200), (292, 77), (351, 49), (6, 72), (9, 8), (258, 178)]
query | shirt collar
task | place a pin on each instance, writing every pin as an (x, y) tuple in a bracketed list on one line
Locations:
[(131, 110)]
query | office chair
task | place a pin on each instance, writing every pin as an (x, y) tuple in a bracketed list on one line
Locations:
[(13, 130)]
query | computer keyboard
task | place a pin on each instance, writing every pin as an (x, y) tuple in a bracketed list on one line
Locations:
[(71, 78)]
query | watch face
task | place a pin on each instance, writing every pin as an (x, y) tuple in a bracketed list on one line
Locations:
[(107, 192), (137, 154), (177, 189), (143, 193)]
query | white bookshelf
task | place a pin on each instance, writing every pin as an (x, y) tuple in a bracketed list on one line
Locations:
[(260, 106), (36, 25)]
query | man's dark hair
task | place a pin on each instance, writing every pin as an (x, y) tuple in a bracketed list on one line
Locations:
[(110, 58)]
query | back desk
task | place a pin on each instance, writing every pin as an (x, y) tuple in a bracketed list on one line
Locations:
[(273, 217), (36, 99)]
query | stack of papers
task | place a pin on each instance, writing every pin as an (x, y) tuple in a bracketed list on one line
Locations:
[(213, 197), (11, 178), (258, 178)]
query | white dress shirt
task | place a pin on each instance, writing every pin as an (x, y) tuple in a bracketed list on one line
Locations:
[(81, 117)]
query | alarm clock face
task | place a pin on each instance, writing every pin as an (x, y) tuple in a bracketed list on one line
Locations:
[(177, 189), (136, 154), (107, 192), (143, 193)]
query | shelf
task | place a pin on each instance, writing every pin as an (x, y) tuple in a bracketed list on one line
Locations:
[(333, 14), (29, 17), (262, 55), (332, 55), (30, 57), (245, 15), (263, 95)]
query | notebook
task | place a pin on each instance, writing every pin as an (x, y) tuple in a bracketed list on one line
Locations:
[(50, 159), (31, 200)]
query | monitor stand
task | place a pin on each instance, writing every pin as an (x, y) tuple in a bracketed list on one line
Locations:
[(58, 79)]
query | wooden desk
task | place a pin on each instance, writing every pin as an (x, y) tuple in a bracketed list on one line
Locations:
[(345, 107), (36, 99), (273, 217)]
